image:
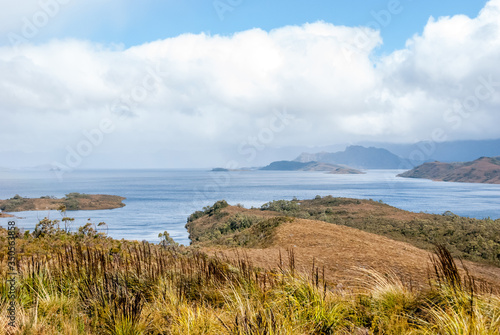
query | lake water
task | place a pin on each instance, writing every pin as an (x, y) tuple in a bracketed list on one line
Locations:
[(159, 200)]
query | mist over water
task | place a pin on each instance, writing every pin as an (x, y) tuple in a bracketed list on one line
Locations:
[(159, 200)]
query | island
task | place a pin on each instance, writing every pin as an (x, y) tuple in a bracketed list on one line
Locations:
[(483, 170), (310, 166), (356, 156), (220, 169), (72, 201)]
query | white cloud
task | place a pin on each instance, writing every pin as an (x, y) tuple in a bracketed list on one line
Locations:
[(204, 94), (449, 63)]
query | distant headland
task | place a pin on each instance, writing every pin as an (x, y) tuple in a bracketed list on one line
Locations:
[(484, 170)]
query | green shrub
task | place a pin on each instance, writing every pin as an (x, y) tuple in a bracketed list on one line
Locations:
[(282, 206), (238, 222), (216, 207), (76, 195), (196, 215), (261, 233), (72, 204)]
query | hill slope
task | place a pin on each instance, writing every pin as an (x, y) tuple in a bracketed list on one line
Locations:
[(343, 251), (262, 235), (357, 157), (482, 170)]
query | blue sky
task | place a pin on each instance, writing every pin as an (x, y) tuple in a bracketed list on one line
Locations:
[(186, 85), (163, 19), (136, 22)]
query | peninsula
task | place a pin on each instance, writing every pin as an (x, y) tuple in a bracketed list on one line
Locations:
[(483, 170)]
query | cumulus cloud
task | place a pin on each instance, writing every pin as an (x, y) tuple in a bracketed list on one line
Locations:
[(450, 71), (202, 95)]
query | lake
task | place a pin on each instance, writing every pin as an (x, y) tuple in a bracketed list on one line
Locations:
[(159, 200)]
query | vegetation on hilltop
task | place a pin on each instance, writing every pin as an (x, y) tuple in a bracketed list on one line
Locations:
[(467, 238), (231, 229)]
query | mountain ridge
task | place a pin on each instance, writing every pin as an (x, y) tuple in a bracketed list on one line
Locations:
[(448, 151)]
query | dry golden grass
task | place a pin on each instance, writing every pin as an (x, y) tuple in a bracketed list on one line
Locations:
[(343, 250)]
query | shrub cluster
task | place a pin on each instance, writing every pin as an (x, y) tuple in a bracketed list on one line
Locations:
[(468, 238), (208, 210)]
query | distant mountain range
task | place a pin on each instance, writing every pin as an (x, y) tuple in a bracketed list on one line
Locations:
[(356, 156), (452, 151), (482, 170), (309, 166)]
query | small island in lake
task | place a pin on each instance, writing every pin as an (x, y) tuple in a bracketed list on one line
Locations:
[(72, 201), (483, 170), (220, 169), (310, 166)]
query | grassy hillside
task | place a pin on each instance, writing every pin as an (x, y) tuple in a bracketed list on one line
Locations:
[(471, 239), (84, 282)]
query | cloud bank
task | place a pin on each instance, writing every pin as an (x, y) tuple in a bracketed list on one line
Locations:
[(202, 98)]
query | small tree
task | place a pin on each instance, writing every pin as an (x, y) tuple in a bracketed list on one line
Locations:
[(46, 227), (67, 220), (104, 226), (167, 241)]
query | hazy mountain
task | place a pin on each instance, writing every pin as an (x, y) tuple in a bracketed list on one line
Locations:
[(482, 170), (454, 151), (357, 157), (310, 166)]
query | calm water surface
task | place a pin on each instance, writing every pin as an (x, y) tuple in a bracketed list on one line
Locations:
[(159, 200)]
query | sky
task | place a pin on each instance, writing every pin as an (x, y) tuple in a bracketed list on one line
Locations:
[(176, 84)]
